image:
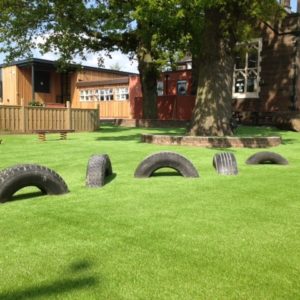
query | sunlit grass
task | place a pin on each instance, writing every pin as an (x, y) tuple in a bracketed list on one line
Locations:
[(166, 237)]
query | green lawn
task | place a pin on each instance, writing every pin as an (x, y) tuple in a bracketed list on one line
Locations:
[(166, 237)]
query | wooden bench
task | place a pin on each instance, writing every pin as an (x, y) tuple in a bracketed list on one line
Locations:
[(63, 133)]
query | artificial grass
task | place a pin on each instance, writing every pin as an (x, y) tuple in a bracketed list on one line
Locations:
[(166, 237)]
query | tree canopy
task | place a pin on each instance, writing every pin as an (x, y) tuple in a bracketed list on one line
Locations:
[(155, 31)]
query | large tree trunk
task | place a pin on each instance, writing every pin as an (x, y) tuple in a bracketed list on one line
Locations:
[(212, 112), (148, 76), (195, 73)]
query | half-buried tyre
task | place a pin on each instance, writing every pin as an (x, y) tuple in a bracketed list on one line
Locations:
[(17, 177), (165, 160), (98, 168), (225, 163), (266, 157)]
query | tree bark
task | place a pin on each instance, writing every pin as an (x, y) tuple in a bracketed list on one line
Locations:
[(213, 111), (148, 76), (195, 73)]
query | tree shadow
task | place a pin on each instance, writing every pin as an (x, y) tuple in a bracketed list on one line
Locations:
[(257, 131), (263, 131), (57, 287), (288, 141), (132, 135), (120, 138)]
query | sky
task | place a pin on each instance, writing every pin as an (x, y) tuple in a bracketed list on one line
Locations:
[(92, 60), (117, 57)]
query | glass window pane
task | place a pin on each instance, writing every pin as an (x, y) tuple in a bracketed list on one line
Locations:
[(252, 58), (239, 86), (181, 87), (251, 83)]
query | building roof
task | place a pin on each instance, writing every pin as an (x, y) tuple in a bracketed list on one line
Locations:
[(187, 58), (53, 64)]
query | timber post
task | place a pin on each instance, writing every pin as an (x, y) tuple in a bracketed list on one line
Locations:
[(97, 117), (23, 116), (68, 123)]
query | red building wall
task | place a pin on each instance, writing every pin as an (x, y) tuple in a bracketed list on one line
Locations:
[(170, 106)]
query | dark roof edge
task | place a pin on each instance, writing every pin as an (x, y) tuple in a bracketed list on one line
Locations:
[(53, 63)]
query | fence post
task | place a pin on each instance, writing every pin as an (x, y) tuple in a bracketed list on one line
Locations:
[(97, 121), (68, 116), (23, 117)]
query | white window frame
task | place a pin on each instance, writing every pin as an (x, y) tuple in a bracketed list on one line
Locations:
[(122, 93), (86, 95), (82, 95), (186, 87), (245, 73), (104, 94)]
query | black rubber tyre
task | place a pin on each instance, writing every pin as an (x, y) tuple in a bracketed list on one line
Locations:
[(165, 160), (225, 163), (99, 166), (266, 157), (17, 177)]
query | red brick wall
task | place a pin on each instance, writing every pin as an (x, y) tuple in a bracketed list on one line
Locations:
[(277, 72), (170, 80)]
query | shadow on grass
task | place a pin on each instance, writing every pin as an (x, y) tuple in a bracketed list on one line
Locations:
[(110, 178), (56, 288), (133, 137), (288, 141), (257, 131), (26, 196), (263, 131), (111, 129), (166, 174), (115, 133)]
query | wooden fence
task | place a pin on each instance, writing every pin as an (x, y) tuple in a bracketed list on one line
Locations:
[(28, 118), (115, 109)]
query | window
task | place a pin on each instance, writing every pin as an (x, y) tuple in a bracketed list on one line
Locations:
[(122, 94), (42, 82), (181, 87), (246, 71), (160, 88), (82, 95), (96, 95), (104, 95), (87, 95)]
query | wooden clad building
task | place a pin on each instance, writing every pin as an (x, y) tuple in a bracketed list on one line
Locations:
[(40, 81)]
